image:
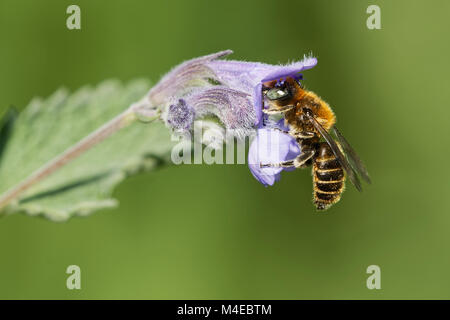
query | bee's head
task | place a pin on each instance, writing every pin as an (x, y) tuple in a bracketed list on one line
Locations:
[(280, 93)]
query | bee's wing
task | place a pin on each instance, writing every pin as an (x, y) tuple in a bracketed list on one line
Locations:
[(354, 159), (337, 152)]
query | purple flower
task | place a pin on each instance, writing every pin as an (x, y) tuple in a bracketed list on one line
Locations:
[(240, 109), (270, 146), (231, 91)]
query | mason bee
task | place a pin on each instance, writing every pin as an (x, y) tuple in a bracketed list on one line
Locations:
[(309, 120)]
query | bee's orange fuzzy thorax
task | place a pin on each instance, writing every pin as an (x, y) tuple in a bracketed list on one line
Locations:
[(323, 113)]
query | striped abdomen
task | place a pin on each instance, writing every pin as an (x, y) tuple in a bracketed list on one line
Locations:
[(328, 177)]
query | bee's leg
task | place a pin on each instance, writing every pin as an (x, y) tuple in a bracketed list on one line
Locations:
[(302, 160), (284, 164), (299, 162), (280, 130), (262, 105), (278, 110), (299, 135), (304, 135)]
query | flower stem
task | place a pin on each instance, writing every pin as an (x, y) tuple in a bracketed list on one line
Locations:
[(112, 126)]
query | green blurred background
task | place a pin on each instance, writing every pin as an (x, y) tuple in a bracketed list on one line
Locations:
[(213, 232)]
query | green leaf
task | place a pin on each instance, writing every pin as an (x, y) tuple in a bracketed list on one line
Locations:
[(48, 127)]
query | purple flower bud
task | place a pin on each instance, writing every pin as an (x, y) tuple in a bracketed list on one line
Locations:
[(180, 116), (232, 107)]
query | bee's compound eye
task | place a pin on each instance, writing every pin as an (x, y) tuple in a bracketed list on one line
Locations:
[(277, 93)]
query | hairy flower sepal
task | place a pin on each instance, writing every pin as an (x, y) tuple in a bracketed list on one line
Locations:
[(231, 107)]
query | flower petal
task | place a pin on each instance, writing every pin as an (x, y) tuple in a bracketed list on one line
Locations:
[(270, 146), (290, 70), (257, 98)]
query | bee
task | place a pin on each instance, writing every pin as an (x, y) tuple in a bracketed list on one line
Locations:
[(310, 121)]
